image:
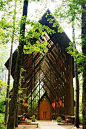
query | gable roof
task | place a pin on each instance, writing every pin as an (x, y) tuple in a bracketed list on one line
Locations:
[(61, 37)]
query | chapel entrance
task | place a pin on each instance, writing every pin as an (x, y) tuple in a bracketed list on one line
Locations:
[(44, 110)]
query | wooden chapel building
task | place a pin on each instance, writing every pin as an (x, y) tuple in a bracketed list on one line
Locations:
[(47, 86)]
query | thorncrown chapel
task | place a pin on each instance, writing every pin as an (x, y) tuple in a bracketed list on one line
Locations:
[(47, 86)]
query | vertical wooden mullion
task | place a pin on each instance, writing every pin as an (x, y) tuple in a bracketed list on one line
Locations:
[(31, 93), (34, 77), (50, 74), (33, 85), (58, 81), (50, 78), (31, 96), (55, 108), (57, 95)]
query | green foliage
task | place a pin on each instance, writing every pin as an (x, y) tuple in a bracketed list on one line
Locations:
[(1, 118), (2, 105), (4, 37), (80, 118), (79, 57), (59, 119), (3, 84), (55, 24), (4, 33), (2, 100), (33, 119), (3, 127), (2, 121), (2, 4), (5, 24), (38, 47), (69, 9), (37, 31)]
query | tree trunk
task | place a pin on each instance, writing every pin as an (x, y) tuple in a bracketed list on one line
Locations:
[(16, 116), (77, 83), (13, 102), (77, 97), (84, 65), (7, 94)]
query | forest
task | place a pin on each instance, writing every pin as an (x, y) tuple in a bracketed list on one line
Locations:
[(18, 25)]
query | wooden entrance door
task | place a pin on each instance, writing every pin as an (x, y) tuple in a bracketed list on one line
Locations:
[(44, 110)]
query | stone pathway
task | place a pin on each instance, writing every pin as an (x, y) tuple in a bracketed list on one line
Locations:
[(42, 125), (46, 125), (49, 125)]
